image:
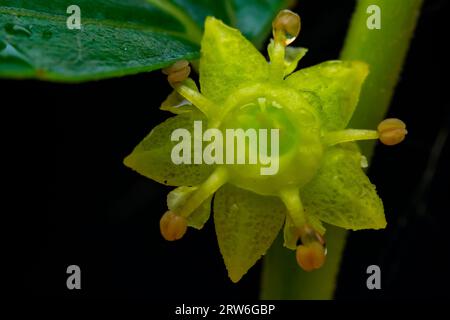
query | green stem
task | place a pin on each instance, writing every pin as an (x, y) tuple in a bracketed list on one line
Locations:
[(385, 51)]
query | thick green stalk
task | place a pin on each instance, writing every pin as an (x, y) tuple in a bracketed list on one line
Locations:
[(385, 51)]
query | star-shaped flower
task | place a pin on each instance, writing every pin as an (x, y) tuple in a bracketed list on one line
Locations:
[(319, 178)]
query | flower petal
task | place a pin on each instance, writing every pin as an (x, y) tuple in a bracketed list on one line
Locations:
[(341, 193), (246, 226), (152, 157), (176, 103), (292, 57), (336, 85), (227, 61)]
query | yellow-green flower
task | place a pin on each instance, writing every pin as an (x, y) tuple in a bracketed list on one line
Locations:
[(319, 178)]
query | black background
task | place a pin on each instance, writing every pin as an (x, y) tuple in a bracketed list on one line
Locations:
[(78, 204)]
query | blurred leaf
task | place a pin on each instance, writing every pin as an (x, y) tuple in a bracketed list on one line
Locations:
[(254, 17)]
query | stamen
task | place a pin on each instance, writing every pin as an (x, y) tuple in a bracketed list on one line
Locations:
[(392, 131), (311, 253), (177, 74), (177, 66), (172, 226), (293, 203), (310, 257), (217, 179), (335, 137), (285, 29)]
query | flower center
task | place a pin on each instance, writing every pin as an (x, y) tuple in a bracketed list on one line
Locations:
[(279, 139), (264, 116)]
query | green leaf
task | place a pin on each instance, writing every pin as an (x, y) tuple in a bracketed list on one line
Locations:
[(228, 61), (116, 38), (152, 157), (246, 225), (335, 85), (177, 198), (342, 195)]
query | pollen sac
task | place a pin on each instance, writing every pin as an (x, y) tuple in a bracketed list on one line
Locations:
[(311, 253), (286, 27), (392, 131), (311, 257), (177, 72), (173, 227)]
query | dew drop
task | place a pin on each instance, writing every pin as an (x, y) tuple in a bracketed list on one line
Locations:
[(18, 30), (287, 24), (364, 162)]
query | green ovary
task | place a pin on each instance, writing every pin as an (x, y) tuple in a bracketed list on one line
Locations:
[(294, 155)]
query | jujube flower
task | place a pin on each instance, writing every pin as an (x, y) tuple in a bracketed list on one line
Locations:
[(320, 177)]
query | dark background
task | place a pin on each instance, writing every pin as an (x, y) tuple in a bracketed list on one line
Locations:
[(78, 204)]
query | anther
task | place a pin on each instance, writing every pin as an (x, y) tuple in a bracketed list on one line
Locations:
[(392, 131), (310, 257), (177, 72), (172, 226), (311, 253), (286, 27), (177, 66)]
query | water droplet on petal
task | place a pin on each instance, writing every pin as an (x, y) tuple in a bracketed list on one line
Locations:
[(364, 163)]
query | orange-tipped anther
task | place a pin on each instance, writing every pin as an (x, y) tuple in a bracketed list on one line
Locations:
[(173, 227), (311, 256), (392, 131), (177, 72), (177, 66)]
